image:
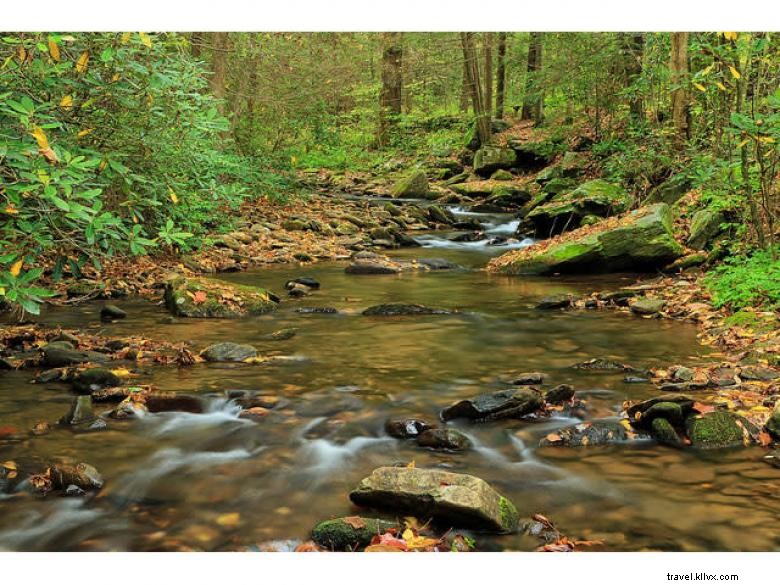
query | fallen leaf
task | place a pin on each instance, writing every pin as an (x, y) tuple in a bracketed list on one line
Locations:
[(355, 522), (229, 520), (82, 62)]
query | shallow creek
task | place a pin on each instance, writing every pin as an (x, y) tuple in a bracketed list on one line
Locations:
[(172, 477)]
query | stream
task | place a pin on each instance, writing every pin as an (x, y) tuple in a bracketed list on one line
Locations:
[(172, 479)]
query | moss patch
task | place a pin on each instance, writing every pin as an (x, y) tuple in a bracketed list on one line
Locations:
[(209, 298)]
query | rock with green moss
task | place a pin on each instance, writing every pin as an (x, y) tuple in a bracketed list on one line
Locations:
[(227, 351), (489, 159), (565, 211), (670, 191), (719, 429), (663, 432), (349, 533), (502, 175), (558, 185), (640, 240), (537, 154), (772, 425), (705, 225), (412, 186), (454, 499), (478, 188), (647, 306), (572, 164), (209, 298)]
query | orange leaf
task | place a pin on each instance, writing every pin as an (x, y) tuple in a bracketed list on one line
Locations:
[(355, 521), (16, 268), (199, 297)]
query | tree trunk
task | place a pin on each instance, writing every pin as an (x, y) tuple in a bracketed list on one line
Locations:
[(680, 98), (632, 46), (488, 73), (500, 75), (465, 94), (392, 84), (197, 40), (533, 108), (475, 91), (219, 52)]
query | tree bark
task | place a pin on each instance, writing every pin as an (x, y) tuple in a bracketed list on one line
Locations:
[(500, 75), (680, 95), (392, 84), (488, 73), (633, 45), (465, 95), (473, 79), (197, 40), (219, 52), (533, 101)]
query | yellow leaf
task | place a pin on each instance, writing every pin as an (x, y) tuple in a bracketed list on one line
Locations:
[(730, 36), (766, 139), (103, 164), (16, 268), (85, 131), (21, 54), (172, 195), (66, 102), (229, 520), (720, 86), (10, 209), (40, 137), (699, 86), (125, 37), (54, 50), (743, 143), (734, 73), (81, 63), (9, 465), (707, 69), (121, 373), (417, 542), (145, 39), (410, 465), (293, 160), (116, 77)]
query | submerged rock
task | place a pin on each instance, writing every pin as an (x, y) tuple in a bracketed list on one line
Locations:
[(559, 394), (317, 310), (586, 434), (511, 403), (110, 312), (760, 373), (554, 302), (81, 413), (674, 408), (203, 298), (719, 429), (280, 334), (406, 428), (603, 365), (93, 379), (398, 309), (448, 439), (529, 378), (452, 498), (647, 306), (349, 533), (228, 352)]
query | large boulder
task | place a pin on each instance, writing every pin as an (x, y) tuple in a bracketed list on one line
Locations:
[(670, 191), (566, 210), (535, 155), (510, 403), (705, 225), (208, 298), (454, 499), (491, 158), (412, 186), (639, 240)]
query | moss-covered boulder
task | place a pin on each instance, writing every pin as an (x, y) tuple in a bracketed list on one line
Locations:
[(209, 298), (489, 159), (705, 225), (719, 429), (639, 240), (412, 186), (349, 533), (502, 175), (484, 188), (454, 499), (772, 425), (565, 211), (537, 154), (670, 191)]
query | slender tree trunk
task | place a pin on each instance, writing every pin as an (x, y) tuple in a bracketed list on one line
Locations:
[(392, 84), (500, 75), (533, 101), (488, 73), (197, 40), (465, 94), (633, 45), (219, 53), (680, 95), (473, 80)]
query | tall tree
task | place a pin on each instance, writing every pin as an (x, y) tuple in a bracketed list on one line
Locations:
[(678, 66), (632, 48), (197, 40), (219, 55), (533, 108), (500, 75), (488, 73), (465, 95), (481, 116), (392, 84)]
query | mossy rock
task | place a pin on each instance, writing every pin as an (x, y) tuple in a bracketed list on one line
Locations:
[(720, 429), (202, 298), (773, 424), (483, 188), (412, 186), (670, 191), (663, 432), (558, 185), (705, 225), (489, 159), (349, 533), (502, 175)]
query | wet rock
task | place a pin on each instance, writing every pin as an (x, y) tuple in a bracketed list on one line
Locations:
[(603, 365), (447, 439), (203, 298), (438, 264), (682, 374), (772, 425), (349, 533), (173, 402), (773, 458), (491, 158), (554, 302), (298, 290), (640, 240), (674, 407), (317, 310), (663, 432), (721, 377), (131, 407), (81, 413), (280, 334), (256, 413), (69, 337), (412, 186), (759, 373), (719, 429), (93, 379), (559, 394), (399, 309), (469, 237), (111, 312), (586, 434), (441, 215), (306, 281), (511, 403), (617, 297), (647, 306), (228, 352), (6, 364), (529, 379), (406, 428), (61, 353), (635, 380), (451, 498), (705, 225), (82, 475)]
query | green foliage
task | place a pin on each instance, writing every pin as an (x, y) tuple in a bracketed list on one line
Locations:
[(752, 281)]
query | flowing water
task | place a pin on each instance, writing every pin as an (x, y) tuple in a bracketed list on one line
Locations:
[(176, 480)]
